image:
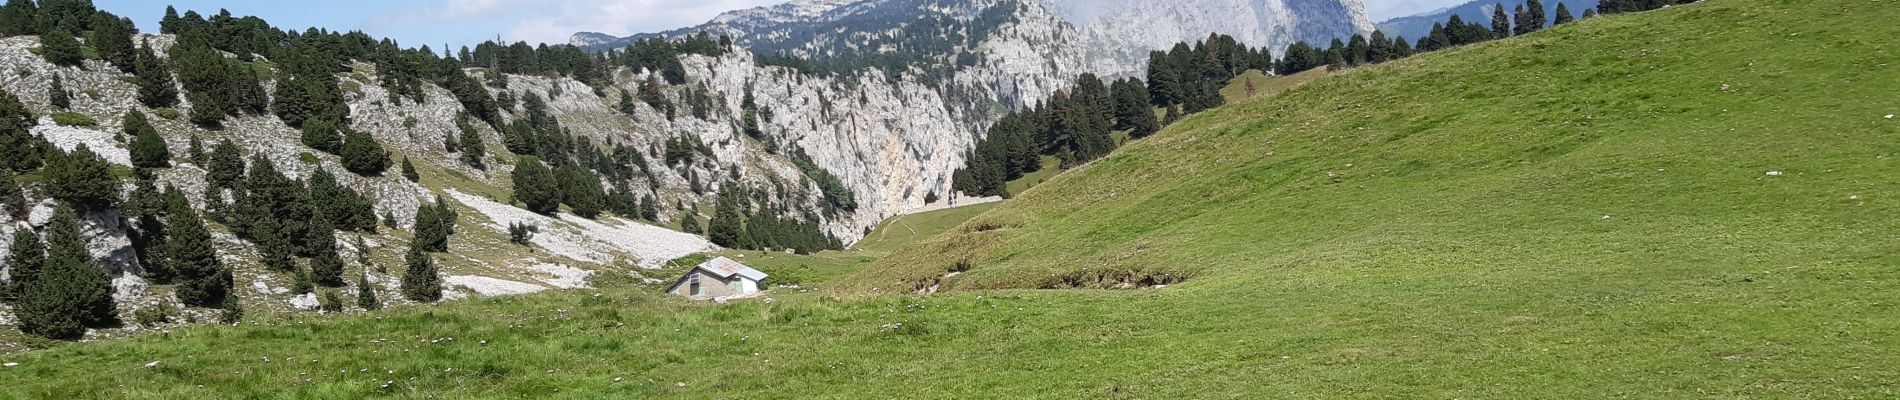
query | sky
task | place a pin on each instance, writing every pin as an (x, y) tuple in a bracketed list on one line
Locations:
[(465, 22)]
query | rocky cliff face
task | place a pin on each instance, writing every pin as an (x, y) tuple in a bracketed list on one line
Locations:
[(896, 136), (1122, 32)]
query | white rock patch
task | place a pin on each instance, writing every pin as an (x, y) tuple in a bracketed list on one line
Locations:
[(562, 276), (487, 286), (591, 241), (304, 302), (67, 138)]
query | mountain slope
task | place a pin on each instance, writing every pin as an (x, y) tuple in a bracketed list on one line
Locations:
[(1430, 228)]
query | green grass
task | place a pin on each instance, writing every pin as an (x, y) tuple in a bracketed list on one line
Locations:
[(1431, 228), (815, 270), (64, 118), (1267, 85), (1050, 166)]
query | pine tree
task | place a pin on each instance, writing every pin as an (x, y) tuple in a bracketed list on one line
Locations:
[(330, 302), (12, 198), (434, 224), (82, 179), (1132, 110), (57, 94), (1563, 15), (1523, 21), (19, 147), (326, 267), (1539, 19), (68, 295), (472, 148), (366, 294), (727, 227), (689, 223), (203, 280), (19, 17), (1500, 22), (226, 167), (580, 190), (149, 150), (363, 155), (274, 251), (25, 260), (535, 186), (156, 87), (409, 171), (340, 206), (322, 135), (196, 151), (112, 39), (1589, 13), (420, 281), (59, 47)]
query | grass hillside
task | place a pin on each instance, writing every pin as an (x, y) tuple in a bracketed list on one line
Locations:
[(1586, 212)]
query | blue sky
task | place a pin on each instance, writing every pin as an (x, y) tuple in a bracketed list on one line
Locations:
[(464, 22)]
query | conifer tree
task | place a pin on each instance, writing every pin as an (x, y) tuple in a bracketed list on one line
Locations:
[(57, 94), (581, 191), (82, 179), (1500, 22), (340, 206), (471, 146), (149, 150), (409, 171), (727, 227), (203, 280), (12, 198), (1538, 19), (689, 223), (366, 294), (363, 155), (1563, 15), (196, 151), (25, 259), (156, 87), (19, 17), (58, 46), (1589, 13), (420, 281), (326, 267), (226, 165), (322, 135), (112, 39), (1132, 110), (434, 224), (274, 251), (68, 295), (535, 186), (19, 147)]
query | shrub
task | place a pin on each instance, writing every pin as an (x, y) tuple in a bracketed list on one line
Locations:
[(65, 118), (521, 233), (363, 155), (167, 113), (330, 302), (154, 315)]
